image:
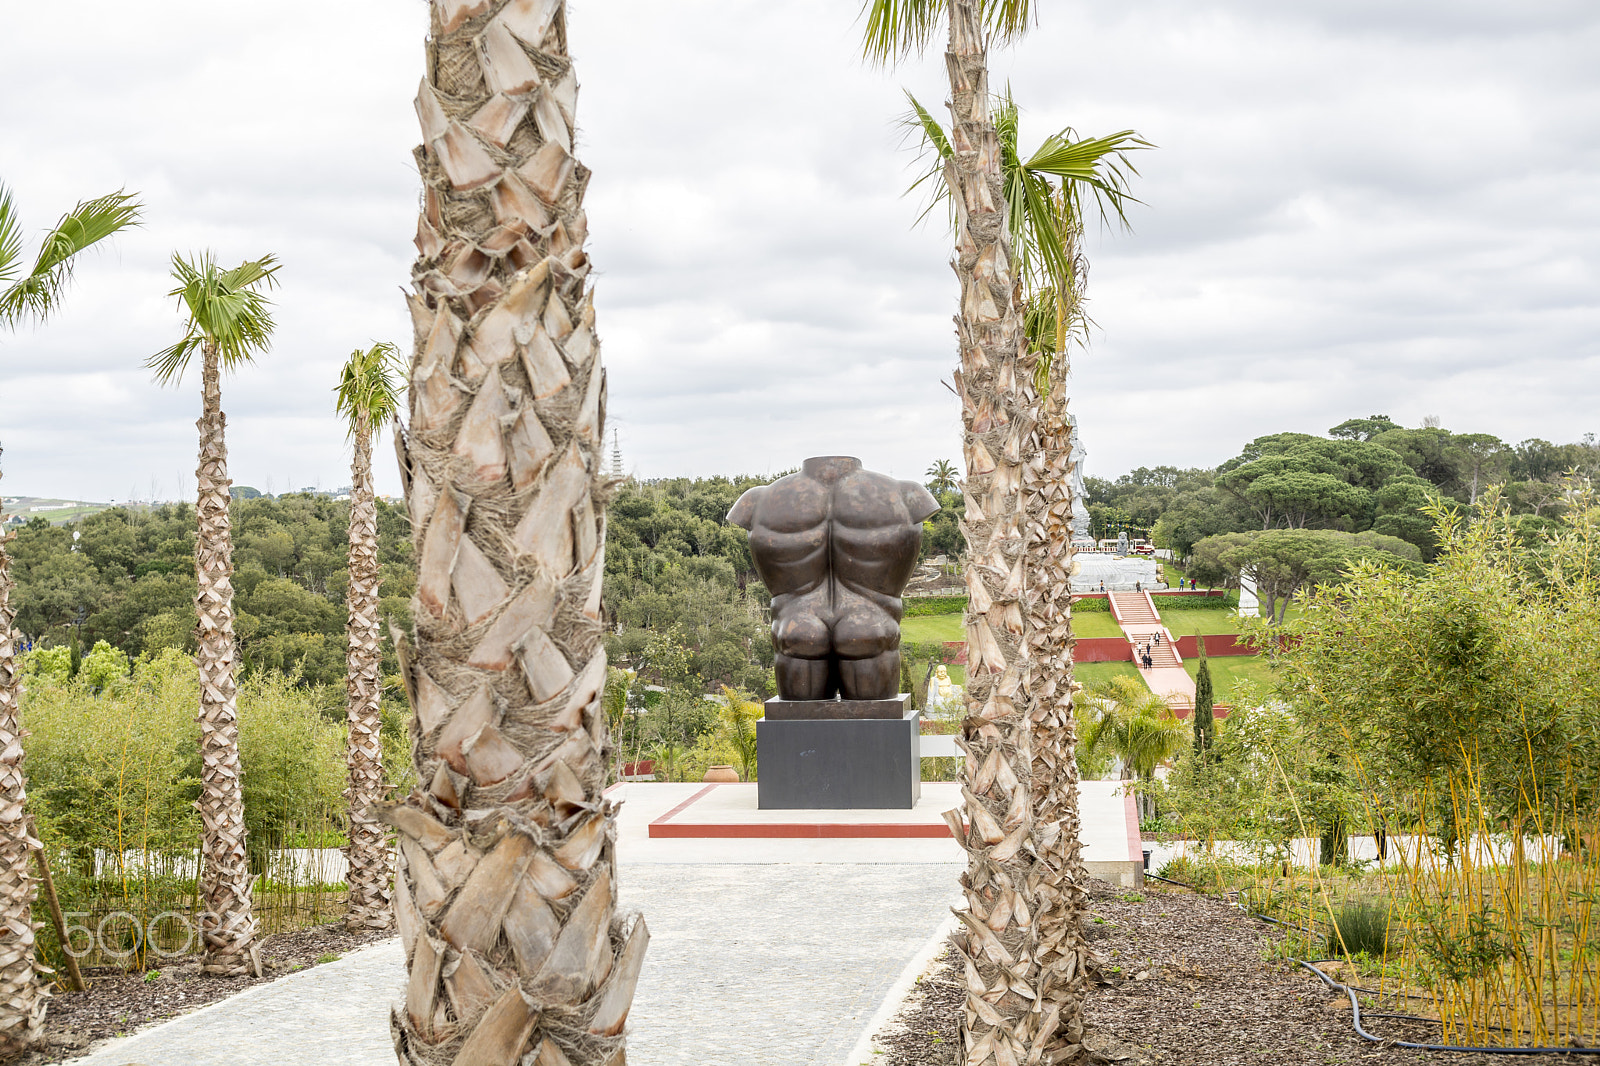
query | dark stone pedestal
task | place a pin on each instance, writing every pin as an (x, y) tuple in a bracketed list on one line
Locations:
[(839, 755)]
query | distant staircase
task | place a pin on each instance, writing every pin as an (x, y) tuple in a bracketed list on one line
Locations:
[(1133, 609)]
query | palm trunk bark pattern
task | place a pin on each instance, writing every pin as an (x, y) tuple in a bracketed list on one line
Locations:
[(227, 922), (506, 897), (22, 996), (370, 902), (1063, 951), (1010, 1015)]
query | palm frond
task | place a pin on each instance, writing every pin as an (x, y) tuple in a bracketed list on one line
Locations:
[(37, 293), (10, 236), (921, 126), (225, 309), (1100, 164), (1008, 19), (897, 28), (368, 393)]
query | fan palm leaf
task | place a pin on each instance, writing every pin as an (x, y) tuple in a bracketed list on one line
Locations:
[(37, 293), (368, 393), (226, 308)]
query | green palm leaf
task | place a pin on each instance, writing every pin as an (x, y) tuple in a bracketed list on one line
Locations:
[(369, 387), (37, 293), (897, 28), (10, 236), (226, 309)]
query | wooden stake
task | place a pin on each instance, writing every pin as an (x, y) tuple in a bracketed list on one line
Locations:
[(55, 917)]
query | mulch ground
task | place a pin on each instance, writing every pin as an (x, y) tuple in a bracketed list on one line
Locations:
[(119, 1002), (1192, 980)]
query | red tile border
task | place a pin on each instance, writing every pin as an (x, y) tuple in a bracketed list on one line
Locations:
[(799, 830)]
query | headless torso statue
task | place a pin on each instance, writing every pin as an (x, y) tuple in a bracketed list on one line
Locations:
[(835, 545)]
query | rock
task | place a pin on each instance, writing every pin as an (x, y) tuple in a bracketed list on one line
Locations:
[(1334, 1006)]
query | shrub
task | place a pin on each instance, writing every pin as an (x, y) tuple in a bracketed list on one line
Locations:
[(1360, 928), (1087, 603)]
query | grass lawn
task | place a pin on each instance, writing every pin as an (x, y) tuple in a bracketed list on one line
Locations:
[(1091, 673), (1094, 624), (1192, 623), (926, 628), (1226, 670)]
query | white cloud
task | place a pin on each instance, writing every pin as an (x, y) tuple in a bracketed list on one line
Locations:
[(1355, 207)]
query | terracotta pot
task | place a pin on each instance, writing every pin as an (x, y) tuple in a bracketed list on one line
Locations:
[(722, 775)]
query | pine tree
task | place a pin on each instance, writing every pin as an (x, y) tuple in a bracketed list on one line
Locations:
[(1205, 725)]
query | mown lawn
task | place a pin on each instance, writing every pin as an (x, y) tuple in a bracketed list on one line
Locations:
[(1193, 623), (1092, 673), (927, 628), (1228, 670), (1089, 624)]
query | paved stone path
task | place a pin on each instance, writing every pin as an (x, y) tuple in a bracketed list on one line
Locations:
[(778, 964)]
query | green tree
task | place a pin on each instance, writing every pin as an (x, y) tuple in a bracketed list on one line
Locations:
[(1281, 563), (1363, 428), (368, 398), (1476, 672), (228, 324), (1205, 726), (941, 477), (34, 294)]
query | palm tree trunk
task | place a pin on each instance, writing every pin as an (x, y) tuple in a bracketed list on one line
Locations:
[(227, 924), (506, 896), (370, 903), (1005, 1020), (22, 997), (1065, 954)]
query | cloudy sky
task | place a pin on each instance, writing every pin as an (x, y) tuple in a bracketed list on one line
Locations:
[(1356, 206)]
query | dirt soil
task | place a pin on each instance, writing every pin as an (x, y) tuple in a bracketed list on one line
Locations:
[(1191, 980), (118, 1002)]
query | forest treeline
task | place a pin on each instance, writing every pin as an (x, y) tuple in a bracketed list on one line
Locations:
[(687, 611), (1367, 475)]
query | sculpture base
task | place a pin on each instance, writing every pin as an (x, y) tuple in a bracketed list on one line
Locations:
[(824, 761), (780, 709)]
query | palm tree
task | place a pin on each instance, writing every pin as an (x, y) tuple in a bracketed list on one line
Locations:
[(228, 324), (35, 294), (506, 894), (1135, 725), (941, 477), (1003, 883), (369, 399), (1044, 201)]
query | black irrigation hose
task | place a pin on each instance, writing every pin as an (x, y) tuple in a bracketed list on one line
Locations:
[(1355, 1005)]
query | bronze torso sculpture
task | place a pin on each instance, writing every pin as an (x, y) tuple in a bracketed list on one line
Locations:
[(835, 545)]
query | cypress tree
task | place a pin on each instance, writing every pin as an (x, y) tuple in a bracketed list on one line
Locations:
[(905, 681), (1204, 722)]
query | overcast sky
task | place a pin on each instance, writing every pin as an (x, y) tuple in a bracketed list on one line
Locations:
[(1356, 207)]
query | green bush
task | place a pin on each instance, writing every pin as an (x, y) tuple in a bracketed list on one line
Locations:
[(1086, 603), (1360, 928), (924, 605)]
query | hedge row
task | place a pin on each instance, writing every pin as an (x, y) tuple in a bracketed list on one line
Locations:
[(1196, 603), (922, 605)]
